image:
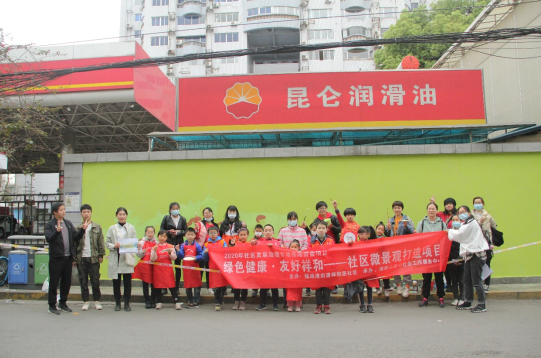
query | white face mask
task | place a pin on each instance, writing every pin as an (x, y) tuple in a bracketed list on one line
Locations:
[(313, 232), (258, 233)]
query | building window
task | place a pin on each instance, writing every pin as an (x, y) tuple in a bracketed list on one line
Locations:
[(203, 2), (320, 34), (137, 34), (158, 41), (321, 55), (234, 16), (355, 55), (229, 60), (160, 21), (356, 31), (189, 20), (231, 37), (279, 10), (388, 11), (320, 13), (414, 5), (202, 39), (138, 17), (225, 0), (160, 2)]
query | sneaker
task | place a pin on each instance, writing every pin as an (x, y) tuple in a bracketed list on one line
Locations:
[(210, 291), (406, 292), (85, 306), (275, 308), (98, 305), (424, 302), (318, 310), (480, 308), (442, 302), (53, 310), (464, 306), (369, 309), (254, 293), (362, 308), (148, 304), (261, 308), (399, 290), (335, 291), (379, 292), (328, 310), (64, 307), (460, 302), (386, 293), (298, 309), (236, 305), (217, 307), (454, 303), (487, 289), (308, 292), (290, 309), (178, 306), (242, 306), (158, 306), (189, 305)]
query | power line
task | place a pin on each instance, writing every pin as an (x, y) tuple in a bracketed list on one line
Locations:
[(9, 82), (299, 19)]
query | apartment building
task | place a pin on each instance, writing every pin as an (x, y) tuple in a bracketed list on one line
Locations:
[(180, 27)]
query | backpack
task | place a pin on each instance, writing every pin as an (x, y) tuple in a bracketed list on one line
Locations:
[(497, 237)]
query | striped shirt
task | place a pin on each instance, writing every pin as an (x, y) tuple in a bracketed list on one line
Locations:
[(288, 234)]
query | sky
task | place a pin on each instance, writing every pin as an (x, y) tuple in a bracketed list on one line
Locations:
[(59, 21)]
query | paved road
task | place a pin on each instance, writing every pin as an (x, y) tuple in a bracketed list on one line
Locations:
[(509, 329)]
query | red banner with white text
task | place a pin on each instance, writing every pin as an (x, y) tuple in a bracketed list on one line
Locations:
[(324, 266)]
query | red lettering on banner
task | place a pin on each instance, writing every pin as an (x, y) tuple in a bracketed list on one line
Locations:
[(334, 265)]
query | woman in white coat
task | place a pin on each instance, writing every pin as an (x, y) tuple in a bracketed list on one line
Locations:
[(473, 246), (120, 264)]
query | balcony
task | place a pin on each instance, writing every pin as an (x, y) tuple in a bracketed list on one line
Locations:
[(355, 5), (356, 33), (190, 8), (263, 22), (250, 4), (190, 47)]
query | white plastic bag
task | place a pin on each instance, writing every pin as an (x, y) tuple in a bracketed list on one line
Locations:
[(45, 287)]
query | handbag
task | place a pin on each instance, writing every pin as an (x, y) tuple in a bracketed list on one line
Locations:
[(497, 237), (130, 259)]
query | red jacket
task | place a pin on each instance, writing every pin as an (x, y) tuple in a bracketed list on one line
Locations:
[(444, 217), (347, 227), (265, 241), (328, 241), (242, 244)]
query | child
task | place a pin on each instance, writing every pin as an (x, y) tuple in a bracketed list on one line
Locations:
[(380, 233), (163, 276), (347, 226), (269, 240), (258, 233), (208, 217), (294, 295), (191, 252), (366, 233), (143, 270), (323, 294), (333, 226), (216, 279), (399, 225), (240, 295), (313, 232), (293, 232), (456, 269)]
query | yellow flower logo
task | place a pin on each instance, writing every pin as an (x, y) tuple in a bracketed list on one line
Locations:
[(242, 100)]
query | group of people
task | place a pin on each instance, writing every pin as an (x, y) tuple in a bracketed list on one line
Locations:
[(175, 243)]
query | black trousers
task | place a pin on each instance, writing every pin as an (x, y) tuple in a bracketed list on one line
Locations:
[(263, 296), (240, 295), (152, 296), (193, 294), (369, 294), (457, 280), (219, 294), (427, 278), (205, 264), (323, 296), (59, 272), (127, 286), (85, 269), (178, 274), (386, 283), (489, 258), (159, 295), (473, 270)]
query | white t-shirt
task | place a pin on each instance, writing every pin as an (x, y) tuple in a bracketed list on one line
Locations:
[(175, 220), (86, 245)]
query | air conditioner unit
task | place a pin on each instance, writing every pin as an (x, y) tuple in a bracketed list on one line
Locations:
[(209, 27), (171, 52), (129, 26), (303, 43), (215, 5), (304, 24), (304, 3), (209, 8), (170, 72), (172, 16), (304, 57), (208, 62), (328, 1), (234, 23), (170, 66)]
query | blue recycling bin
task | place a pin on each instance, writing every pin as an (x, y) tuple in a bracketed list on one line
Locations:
[(18, 267)]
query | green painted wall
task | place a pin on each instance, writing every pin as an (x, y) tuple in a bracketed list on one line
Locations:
[(509, 183)]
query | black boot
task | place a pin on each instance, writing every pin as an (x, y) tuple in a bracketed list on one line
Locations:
[(127, 307), (117, 305), (148, 304)]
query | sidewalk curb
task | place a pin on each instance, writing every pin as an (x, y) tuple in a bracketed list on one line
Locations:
[(335, 299)]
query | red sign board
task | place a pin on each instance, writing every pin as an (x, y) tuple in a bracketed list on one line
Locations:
[(332, 100)]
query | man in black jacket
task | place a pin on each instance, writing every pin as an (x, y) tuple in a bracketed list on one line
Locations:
[(63, 240)]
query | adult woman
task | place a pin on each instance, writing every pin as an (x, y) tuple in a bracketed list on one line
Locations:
[(487, 222), (473, 246), (208, 218), (175, 225), (230, 226), (120, 264), (432, 223)]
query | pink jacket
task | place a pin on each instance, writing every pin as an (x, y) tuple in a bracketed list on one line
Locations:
[(201, 234)]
